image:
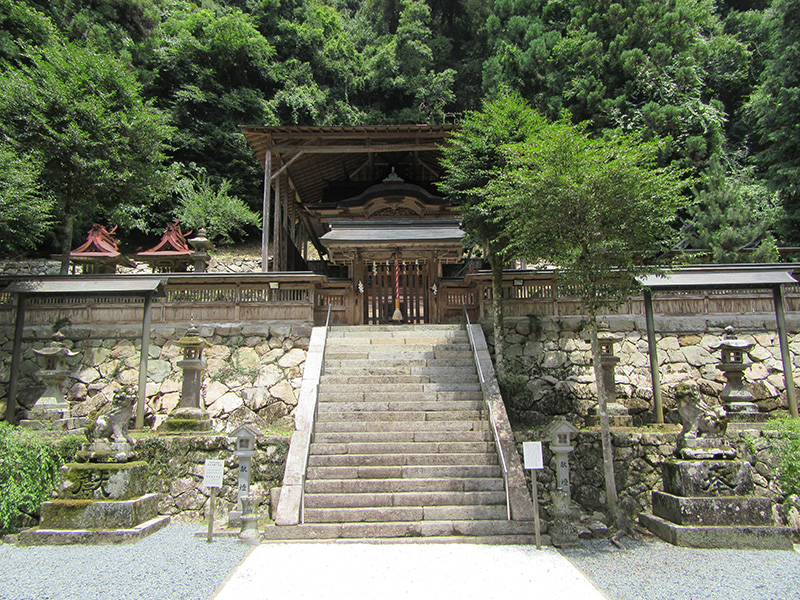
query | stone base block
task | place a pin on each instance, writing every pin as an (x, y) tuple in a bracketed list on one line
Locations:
[(693, 478), (96, 514), (63, 426), (738, 537), (716, 511), (103, 481), (187, 419), (39, 536)]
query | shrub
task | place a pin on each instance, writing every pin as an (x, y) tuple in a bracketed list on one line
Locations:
[(787, 449), (28, 472)]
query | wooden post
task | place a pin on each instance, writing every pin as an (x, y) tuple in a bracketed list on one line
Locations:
[(148, 303), (788, 374), (655, 374), (211, 502), (265, 214), (277, 237), (536, 524), (16, 359)]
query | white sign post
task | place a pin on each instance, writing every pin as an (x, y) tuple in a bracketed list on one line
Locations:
[(212, 478), (532, 455)]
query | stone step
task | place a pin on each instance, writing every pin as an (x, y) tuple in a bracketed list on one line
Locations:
[(385, 486), (336, 414), (354, 366), (389, 406), (399, 460), (500, 531), (404, 472), (354, 429), (407, 352), (394, 447), (404, 499), (326, 395), (408, 330), (379, 382), (418, 513), (362, 437), (407, 388), (388, 339)]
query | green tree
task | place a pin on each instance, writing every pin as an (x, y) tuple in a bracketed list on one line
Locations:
[(99, 145), (470, 163), (210, 71), (202, 204), (626, 65), (774, 107), (734, 215), (25, 214), (602, 212)]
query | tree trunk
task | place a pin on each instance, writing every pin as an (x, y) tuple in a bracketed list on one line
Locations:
[(612, 501), (66, 243), (497, 314)]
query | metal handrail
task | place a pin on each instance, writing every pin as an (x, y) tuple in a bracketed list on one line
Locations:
[(492, 421)]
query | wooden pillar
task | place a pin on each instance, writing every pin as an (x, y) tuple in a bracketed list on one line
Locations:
[(265, 213), (786, 358), (148, 304), (276, 233), (16, 359), (655, 374), (285, 228)]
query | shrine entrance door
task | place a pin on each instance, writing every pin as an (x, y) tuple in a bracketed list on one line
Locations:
[(381, 288)]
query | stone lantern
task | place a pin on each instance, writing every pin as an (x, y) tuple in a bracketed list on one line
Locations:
[(189, 416), (560, 432), (245, 438), (617, 413), (51, 410), (738, 401), (201, 246)]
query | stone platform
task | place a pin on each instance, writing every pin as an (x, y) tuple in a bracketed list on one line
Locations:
[(95, 522)]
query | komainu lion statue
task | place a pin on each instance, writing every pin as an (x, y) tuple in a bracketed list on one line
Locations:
[(113, 424), (697, 417)]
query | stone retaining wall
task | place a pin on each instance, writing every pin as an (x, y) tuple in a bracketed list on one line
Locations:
[(550, 368), (175, 472), (254, 370), (638, 458)]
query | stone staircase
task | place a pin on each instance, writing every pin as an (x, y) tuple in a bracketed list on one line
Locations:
[(402, 447)]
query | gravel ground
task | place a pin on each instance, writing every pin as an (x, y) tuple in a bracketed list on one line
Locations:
[(655, 570), (171, 564), (174, 564)]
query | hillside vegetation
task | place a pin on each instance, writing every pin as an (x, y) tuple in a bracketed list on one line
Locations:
[(127, 111)]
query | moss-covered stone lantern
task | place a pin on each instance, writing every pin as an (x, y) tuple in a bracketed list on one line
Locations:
[(738, 401), (189, 416), (51, 410)]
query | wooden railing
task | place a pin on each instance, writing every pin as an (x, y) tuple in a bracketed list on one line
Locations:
[(306, 297)]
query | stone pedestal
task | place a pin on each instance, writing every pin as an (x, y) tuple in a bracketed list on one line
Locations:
[(618, 415), (101, 500), (709, 504)]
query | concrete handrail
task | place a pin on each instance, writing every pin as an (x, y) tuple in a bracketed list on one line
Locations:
[(292, 502), (520, 505)]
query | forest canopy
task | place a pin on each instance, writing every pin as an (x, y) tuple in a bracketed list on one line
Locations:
[(717, 80)]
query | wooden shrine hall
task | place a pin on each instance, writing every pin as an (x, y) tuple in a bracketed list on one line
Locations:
[(364, 198)]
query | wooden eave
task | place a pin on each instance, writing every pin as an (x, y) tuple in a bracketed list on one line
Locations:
[(314, 157)]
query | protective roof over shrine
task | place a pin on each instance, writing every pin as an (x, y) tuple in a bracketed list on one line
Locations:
[(331, 170)]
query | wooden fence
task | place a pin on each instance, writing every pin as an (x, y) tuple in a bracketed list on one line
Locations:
[(305, 297)]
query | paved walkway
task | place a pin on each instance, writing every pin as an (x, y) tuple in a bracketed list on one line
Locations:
[(405, 571)]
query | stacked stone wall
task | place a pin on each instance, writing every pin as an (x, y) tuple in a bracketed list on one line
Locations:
[(175, 473), (638, 460), (550, 370), (254, 370)]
